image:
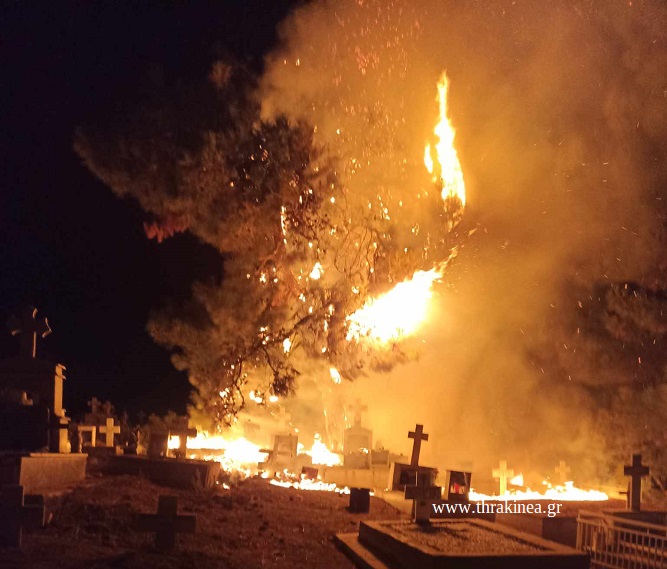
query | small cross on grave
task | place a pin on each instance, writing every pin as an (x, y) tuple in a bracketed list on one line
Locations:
[(563, 470), (502, 473), (285, 419), (166, 523), (183, 435), (92, 430), (107, 408), (418, 435), (29, 326), (635, 471), (109, 431), (94, 405), (422, 495), (15, 515), (358, 408)]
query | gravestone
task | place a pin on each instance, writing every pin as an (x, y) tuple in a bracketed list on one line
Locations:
[(402, 475), (503, 474), (636, 471), (33, 422), (563, 471), (15, 515), (183, 434), (166, 524), (357, 442), (158, 444), (423, 493), (109, 431), (360, 500)]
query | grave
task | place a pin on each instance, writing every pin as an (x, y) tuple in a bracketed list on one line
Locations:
[(34, 445), (166, 523), (109, 430), (400, 474), (563, 471), (167, 471), (422, 494), (636, 471), (16, 514), (357, 442), (503, 474), (158, 444), (92, 431), (183, 433), (469, 543)]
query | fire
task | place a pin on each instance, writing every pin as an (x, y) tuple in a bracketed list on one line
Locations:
[(449, 171), (395, 314), (320, 454), (565, 493)]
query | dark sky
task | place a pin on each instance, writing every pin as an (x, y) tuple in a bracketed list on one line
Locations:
[(68, 246)]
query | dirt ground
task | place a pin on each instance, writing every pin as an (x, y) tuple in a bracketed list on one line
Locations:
[(249, 526)]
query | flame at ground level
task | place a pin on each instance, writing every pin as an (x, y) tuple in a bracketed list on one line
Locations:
[(395, 314), (566, 493)]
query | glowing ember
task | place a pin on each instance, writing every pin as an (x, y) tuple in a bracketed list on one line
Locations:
[(449, 168), (396, 314), (567, 493), (335, 375), (517, 480)]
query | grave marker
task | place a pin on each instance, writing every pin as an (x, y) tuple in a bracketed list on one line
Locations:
[(183, 435), (422, 494), (358, 408), (29, 326), (109, 431), (166, 524), (502, 473), (418, 435), (562, 470), (635, 471), (94, 405), (15, 515)]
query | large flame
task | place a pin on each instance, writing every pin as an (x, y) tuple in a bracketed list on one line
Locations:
[(449, 171), (565, 493), (395, 314)]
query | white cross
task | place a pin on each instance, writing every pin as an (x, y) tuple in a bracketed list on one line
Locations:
[(562, 470), (502, 473), (109, 431)]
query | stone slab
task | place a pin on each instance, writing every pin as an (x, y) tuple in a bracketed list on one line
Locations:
[(374, 477), (561, 529), (349, 544), (42, 471), (399, 552), (167, 471)]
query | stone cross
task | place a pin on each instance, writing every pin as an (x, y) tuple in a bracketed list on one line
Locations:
[(358, 408), (109, 431), (635, 471), (562, 470), (418, 435), (29, 326), (285, 417), (107, 407), (183, 435), (15, 514), (166, 523), (94, 405), (503, 474)]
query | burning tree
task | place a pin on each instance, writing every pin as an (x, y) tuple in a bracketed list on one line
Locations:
[(316, 276)]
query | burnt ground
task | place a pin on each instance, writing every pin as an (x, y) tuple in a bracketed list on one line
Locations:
[(249, 526)]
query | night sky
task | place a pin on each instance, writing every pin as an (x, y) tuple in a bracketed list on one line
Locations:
[(69, 247)]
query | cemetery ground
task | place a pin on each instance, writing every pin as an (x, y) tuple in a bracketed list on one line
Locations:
[(249, 526)]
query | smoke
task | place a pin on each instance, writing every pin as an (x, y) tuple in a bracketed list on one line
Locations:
[(561, 113)]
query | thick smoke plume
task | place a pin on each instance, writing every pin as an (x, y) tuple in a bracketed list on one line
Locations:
[(561, 115)]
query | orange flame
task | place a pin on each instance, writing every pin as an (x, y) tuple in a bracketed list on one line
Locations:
[(449, 171)]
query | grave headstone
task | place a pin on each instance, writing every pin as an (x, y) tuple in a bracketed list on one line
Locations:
[(357, 444), (503, 474), (636, 471), (418, 435), (360, 500), (183, 434), (109, 431), (15, 515), (423, 494), (158, 444), (166, 524)]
